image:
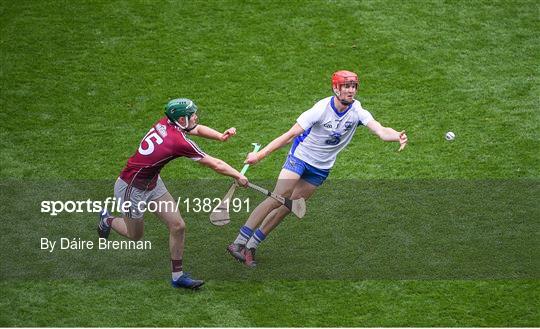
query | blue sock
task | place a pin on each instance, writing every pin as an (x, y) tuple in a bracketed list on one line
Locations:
[(257, 238), (244, 235)]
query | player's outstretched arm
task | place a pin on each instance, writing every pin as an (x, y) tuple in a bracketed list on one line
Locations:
[(276, 144), (223, 168), (388, 134), (207, 132)]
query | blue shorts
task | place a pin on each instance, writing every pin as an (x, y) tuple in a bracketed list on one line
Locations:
[(307, 172)]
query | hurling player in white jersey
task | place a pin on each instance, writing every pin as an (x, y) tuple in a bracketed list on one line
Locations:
[(318, 135)]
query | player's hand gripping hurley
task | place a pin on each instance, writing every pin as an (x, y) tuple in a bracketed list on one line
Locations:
[(220, 215)]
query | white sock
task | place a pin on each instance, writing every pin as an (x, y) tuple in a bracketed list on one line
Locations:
[(176, 275), (240, 240), (255, 239), (252, 243), (244, 235)]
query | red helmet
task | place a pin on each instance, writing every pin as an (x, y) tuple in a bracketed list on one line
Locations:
[(342, 77)]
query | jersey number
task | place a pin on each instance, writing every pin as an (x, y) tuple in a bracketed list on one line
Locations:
[(334, 139), (148, 139)]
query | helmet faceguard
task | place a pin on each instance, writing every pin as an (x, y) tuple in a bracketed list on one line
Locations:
[(340, 78), (178, 108)]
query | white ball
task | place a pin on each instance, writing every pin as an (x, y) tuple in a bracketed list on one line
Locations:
[(449, 136)]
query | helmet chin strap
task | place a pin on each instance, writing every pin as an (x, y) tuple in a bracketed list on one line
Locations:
[(186, 127), (342, 101), (183, 127), (190, 129)]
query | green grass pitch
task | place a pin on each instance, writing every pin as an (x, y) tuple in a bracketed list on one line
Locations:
[(441, 234)]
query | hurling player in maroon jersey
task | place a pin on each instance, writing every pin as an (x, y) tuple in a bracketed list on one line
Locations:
[(140, 182)]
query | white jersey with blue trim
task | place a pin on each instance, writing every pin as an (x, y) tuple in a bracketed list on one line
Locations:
[(327, 132)]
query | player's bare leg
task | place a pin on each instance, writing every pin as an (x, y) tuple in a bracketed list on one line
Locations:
[(175, 224), (285, 186), (302, 189), (167, 212), (132, 229)]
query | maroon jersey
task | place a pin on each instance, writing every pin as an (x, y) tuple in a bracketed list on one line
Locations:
[(163, 143)]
